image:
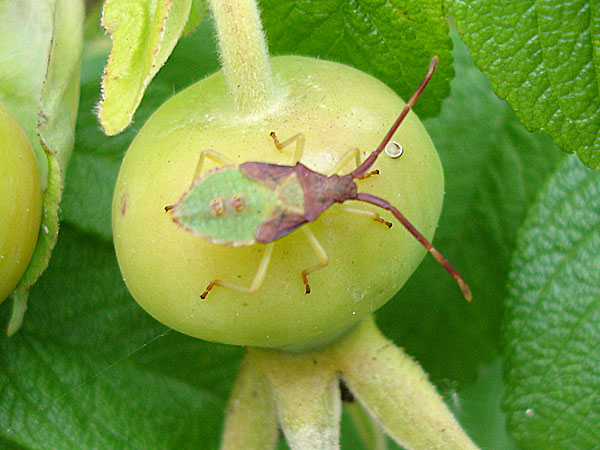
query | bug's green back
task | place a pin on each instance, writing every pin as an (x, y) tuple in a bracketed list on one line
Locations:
[(209, 210)]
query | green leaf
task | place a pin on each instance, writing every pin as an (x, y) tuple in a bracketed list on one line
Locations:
[(544, 58), (493, 169), (393, 41), (144, 33), (60, 93), (90, 369), (553, 311), (55, 398), (198, 13)]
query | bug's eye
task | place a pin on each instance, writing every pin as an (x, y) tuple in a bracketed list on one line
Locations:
[(216, 206), (238, 203)]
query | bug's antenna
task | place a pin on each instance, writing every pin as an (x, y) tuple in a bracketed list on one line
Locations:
[(367, 163), (377, 201)]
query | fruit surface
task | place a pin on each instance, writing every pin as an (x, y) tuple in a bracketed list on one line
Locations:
[(20, 202), (337, 108)]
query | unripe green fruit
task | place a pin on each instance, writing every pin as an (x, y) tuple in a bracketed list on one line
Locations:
[(337, 108), (20, 202)]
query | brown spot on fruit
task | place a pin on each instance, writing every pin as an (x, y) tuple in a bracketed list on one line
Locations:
[(124, 199)]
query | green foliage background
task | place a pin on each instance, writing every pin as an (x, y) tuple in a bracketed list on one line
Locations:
[(90, 369)]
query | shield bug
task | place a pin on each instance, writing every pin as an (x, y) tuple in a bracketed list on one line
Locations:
[(257, 202)]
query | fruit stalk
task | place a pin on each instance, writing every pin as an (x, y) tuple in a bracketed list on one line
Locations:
[(244, 54), (301, 389)]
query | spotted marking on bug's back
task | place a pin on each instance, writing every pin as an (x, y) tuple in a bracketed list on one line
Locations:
[(238, 203), (220, 206), (217, 207), (225, 207)]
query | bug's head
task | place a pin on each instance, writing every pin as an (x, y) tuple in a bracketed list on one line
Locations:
[(341, 188)]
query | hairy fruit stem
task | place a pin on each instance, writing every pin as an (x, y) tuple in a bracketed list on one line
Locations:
[(301, 389), (244, 54)]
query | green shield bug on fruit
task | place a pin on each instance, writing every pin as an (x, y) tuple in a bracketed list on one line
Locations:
[(256, 202)]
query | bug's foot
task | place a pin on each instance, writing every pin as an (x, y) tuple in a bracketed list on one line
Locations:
[(385, 222), (275, 140), (208, 288), (368, 174), (169, 207), (305, 281)]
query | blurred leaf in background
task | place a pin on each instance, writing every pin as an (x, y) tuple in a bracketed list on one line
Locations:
[(552, 333)]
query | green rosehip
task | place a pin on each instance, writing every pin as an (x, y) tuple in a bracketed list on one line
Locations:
[(337, 108)]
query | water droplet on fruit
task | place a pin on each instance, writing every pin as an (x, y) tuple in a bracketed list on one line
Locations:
[(394, 149)]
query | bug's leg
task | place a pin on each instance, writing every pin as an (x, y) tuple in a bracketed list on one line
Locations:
[(256, 283), (297, 138), (363, 212), (352, 154), (321, 254), (215, 156)]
